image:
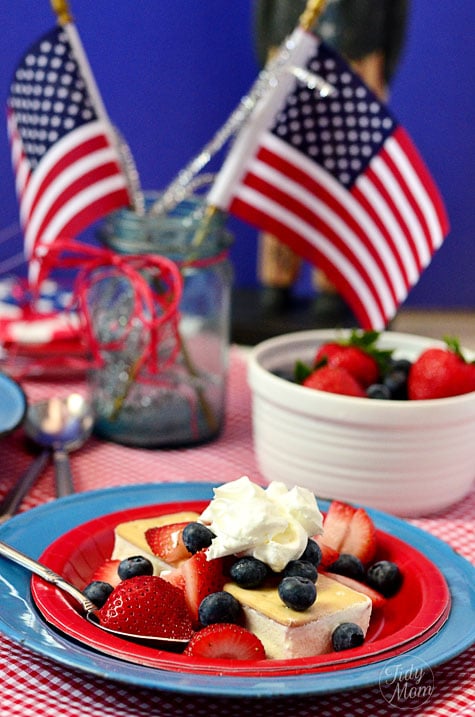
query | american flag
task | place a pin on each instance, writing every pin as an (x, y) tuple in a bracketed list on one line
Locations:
[(66, 163), (337, 179)]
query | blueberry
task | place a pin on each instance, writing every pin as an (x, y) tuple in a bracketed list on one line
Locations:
[(312, 553), (135, 565), (297, 593), (403, 365), (348, 565), (218, 607), (98, 591), (347, 635), (385, 577), (196, 537), (396, 382), (379, 390), (249, 572), (302, 569)]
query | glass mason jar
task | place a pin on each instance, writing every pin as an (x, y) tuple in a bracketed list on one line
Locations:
[(184, 403)]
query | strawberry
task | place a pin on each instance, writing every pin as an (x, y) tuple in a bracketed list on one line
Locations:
[(166, 542), (358, 355), (202, 577), (147, 605), (376, 598), (107, 573), (441, 372), (329, 555), (225, 641), (174, 577), (360, 539), (336, 524), (349, 530), (334, 379)]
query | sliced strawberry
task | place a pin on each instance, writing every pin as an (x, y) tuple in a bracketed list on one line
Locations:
[(347, 529), (174, 577), (202, 577), (107, 573), (336, 524), (166, 542), (376, 598), (147, 605), (360, 539), (329, 555), (225, 641)]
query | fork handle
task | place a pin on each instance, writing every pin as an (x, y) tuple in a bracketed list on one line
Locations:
[(63, 474), (10, 503)]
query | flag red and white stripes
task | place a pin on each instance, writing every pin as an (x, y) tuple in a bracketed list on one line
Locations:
[(338, 180), (67, 166)]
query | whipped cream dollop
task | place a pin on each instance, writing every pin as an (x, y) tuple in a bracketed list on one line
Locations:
[(272, 524)]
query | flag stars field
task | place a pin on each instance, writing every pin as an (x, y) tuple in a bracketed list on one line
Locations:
[(352, 124), (54, 96)]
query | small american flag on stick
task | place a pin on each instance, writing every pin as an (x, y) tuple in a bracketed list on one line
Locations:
[(336, 178), (64, 152)]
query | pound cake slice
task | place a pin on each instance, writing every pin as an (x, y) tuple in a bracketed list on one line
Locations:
[(130, 537)]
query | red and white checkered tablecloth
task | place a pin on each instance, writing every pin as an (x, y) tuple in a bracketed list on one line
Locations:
[(34, 686)]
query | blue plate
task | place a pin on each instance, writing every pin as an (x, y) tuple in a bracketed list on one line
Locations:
[(12, 404), (20, 620)]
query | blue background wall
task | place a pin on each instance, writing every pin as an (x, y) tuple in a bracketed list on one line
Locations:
[(170, 72)]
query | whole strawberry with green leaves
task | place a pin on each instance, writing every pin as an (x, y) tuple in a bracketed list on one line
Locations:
[(347, 366), (440, 373)]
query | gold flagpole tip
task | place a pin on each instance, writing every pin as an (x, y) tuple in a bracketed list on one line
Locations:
[(309, 16), (61, 8)]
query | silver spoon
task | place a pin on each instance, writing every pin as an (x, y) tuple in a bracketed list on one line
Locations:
[(88, 606), (62, 425)]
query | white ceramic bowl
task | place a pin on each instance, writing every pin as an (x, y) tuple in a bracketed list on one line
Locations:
[(409, 458)]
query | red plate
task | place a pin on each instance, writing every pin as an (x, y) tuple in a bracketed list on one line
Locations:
[(410, 618)]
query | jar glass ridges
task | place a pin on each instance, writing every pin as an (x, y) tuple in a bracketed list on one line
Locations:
[(182, 403)]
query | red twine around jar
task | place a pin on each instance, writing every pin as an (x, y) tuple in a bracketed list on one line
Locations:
[(156, 283)]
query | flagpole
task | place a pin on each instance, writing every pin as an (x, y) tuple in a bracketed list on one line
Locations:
[(65, 19), (177, 189), (312, 11), (60, 7)]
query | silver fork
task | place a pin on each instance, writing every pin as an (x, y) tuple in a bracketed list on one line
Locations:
[(12, 500)]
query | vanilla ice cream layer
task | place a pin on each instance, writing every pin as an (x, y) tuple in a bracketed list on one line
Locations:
[(287, 633)]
